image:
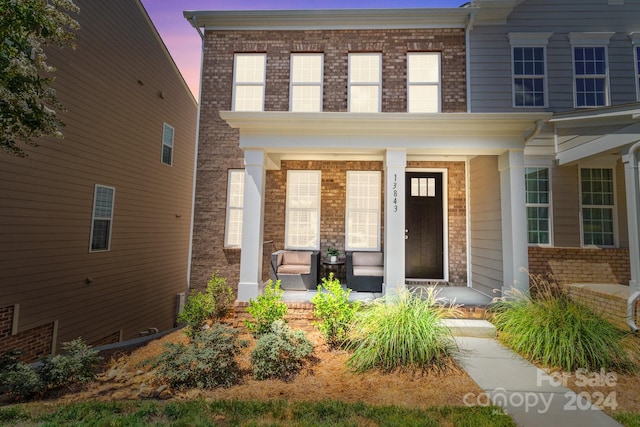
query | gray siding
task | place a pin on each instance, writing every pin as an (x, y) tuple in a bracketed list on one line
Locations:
[(119, 85), (490, 65), (485, 230)]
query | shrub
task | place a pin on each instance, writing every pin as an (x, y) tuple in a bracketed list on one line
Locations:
[(402, 331), (215, 302), (266, 309), (17, 379), (280, 353), (75, 366), (208, 360), (552, 329), (332, 307)]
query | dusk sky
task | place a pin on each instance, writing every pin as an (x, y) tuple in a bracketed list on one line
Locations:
[(184, 43)]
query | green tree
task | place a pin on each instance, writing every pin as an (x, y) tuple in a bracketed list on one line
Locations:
[(27, 102)]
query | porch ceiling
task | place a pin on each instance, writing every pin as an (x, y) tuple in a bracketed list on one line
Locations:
[(371, 134)]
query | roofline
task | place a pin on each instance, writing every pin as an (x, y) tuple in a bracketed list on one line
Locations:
[(330, 19)]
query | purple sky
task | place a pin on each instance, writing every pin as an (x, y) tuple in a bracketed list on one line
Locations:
[(183, 41)]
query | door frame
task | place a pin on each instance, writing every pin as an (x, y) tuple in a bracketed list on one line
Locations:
[(445, 219)]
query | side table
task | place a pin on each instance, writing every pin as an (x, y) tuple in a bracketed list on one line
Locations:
[(337, 268)]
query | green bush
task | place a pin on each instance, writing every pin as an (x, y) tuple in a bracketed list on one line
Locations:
[(215, 302), (208, 361), (266, 309), (402, 330), (552, 329), (75, 366), (280, 353), (17, 379), (332, 307)]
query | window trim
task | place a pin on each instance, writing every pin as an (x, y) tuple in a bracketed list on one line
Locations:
[(166, 126), (591, 40), (288, 209), (635, 43), (94, 218), (236, 84), (230, 208), (548, 205), (378, 211), (530, 40), (614, 207), (437, 84), (319, 84), (367, 84)]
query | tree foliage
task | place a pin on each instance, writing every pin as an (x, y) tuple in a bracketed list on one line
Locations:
[(27, 102)]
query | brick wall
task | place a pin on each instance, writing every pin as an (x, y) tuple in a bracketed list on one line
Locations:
[(34, 343), (218, 144), (581, 265), (611, 307)]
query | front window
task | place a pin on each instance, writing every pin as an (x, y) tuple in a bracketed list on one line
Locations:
[(363, 210), (365, 82), (590, 70), (249, 81), (102, 218), (303, 210), (235, 203), (306, 82), (528, 77), (537, 203), (423, 82), (167, 144), (597, 199)]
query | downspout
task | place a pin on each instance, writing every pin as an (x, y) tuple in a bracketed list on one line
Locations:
[(633, 210), (468, 28), (195, 156), (535, 132)]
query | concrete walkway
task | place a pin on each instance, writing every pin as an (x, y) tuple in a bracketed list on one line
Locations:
[(530, 396)]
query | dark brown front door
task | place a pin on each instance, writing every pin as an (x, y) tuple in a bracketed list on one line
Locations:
[(424, 226)]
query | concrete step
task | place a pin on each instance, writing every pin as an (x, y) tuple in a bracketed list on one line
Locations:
[(470, 328)]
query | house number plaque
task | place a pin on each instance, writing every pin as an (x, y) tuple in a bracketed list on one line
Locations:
[(395, 192)]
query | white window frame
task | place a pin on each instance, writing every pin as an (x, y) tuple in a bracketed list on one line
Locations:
[(635, 42), (529, 41), (614, 207), (237, 84), (316, 176), (234, 176), (590, 40), (96, 217), (167, 143), (411, 84), (548, 205), (377, 83), (376, 176), (293, 84)]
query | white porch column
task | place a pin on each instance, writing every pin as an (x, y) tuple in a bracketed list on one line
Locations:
[(632, 188), (515, 256), (252, 221), (394, 220)]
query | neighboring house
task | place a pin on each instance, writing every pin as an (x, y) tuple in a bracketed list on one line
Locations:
[(95, 227), (580, 61), (349, 128)]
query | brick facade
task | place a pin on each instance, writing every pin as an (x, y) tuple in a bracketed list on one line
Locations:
[(218, 144), (611, 307), (581, 265), (35, 343)]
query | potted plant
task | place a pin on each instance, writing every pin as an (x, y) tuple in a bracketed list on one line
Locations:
[(333, 253)]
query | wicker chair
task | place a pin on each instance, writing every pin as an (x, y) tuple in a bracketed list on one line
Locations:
[(296, 270)]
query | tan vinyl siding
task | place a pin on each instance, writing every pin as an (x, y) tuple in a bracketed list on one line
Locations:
[(119, 86), (485, 219), (621, 206), (566, 206)]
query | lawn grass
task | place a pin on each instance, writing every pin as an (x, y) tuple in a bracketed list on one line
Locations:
[(628, 419), (246, 413)]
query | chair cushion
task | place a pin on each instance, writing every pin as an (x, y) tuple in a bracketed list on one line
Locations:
[(368, 270), (367, 258), (297, 258), (294, 269)]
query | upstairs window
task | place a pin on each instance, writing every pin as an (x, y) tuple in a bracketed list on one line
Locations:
[(528, 77), (249, 81), (538, 203), (365, 82), (363, 210), (598, 202), (235, 204), (102, 218), (637, 67), (306, 82), (167, 144), (303, 210), (423, 82), (590, 70)]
